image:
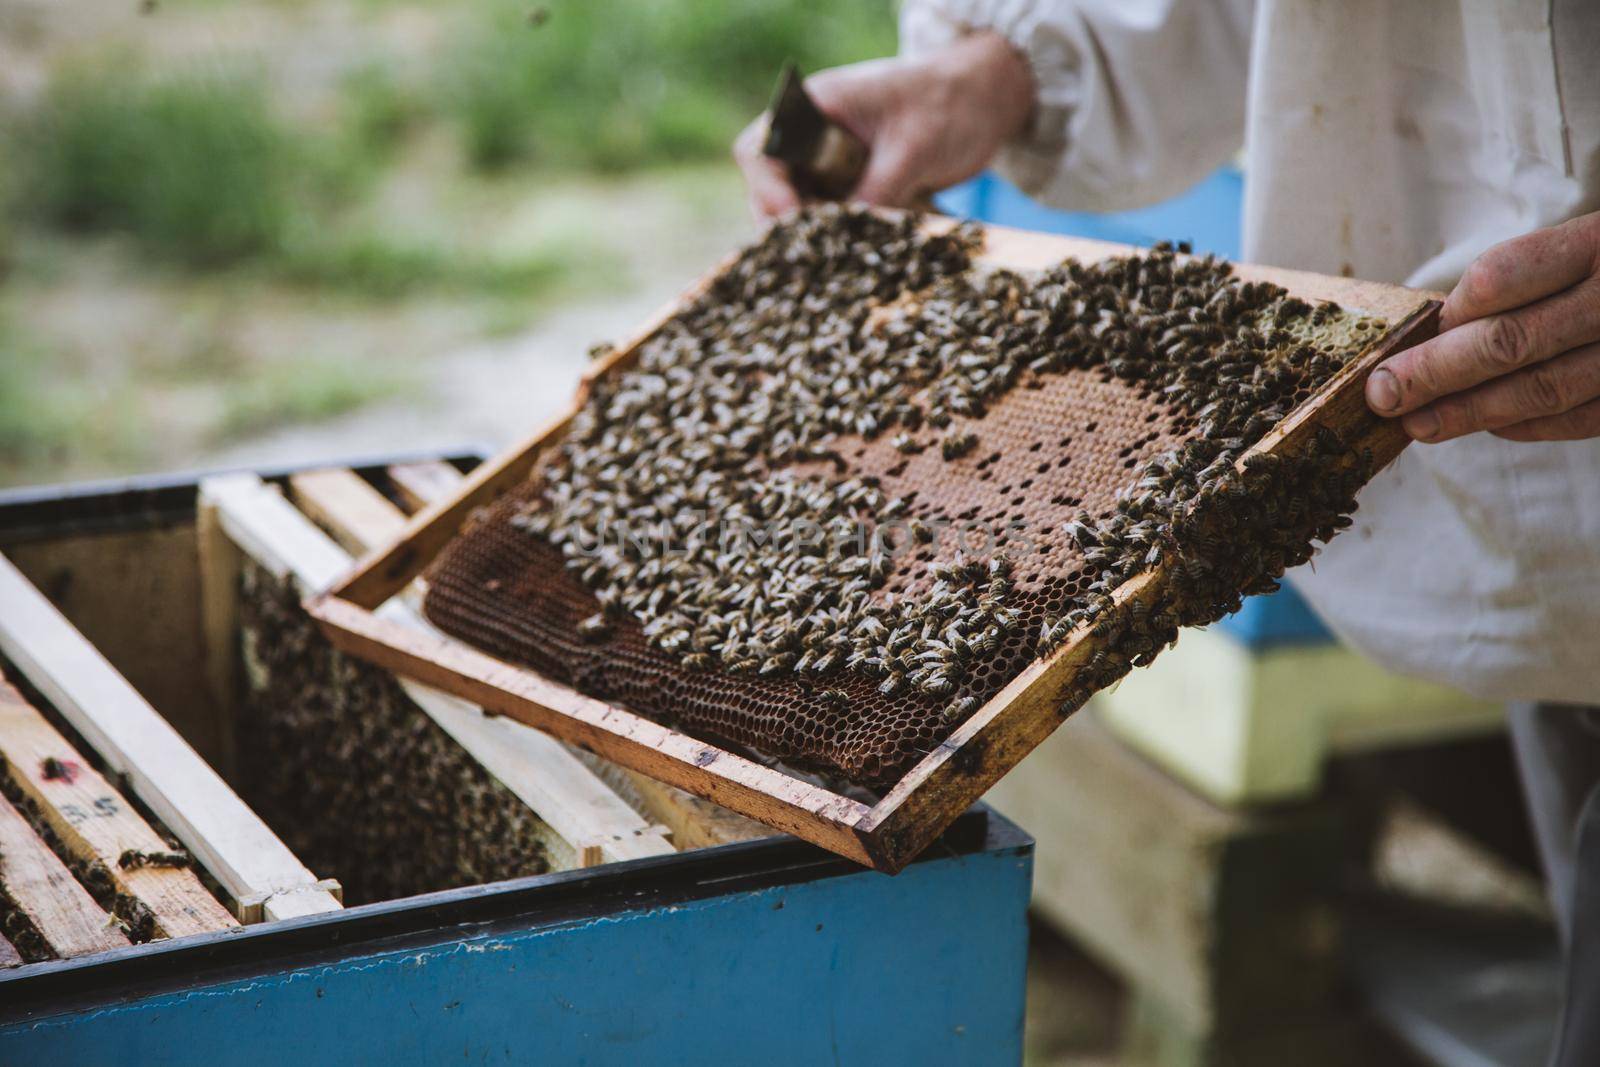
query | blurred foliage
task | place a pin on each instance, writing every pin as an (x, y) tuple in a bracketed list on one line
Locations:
[(617, 83), (403, 160), (379, 110), (33, 419), (200, 170), (195, 167), (384, 268)]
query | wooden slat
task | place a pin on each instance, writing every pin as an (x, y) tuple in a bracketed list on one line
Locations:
[(343, 504), (218, 576), (693, 821), (586, 817), (39, 885), (268, 529), (420, 484), (225, 836), (95, 823), (765, 794), (934, 792), (582, 809), (298, 902)]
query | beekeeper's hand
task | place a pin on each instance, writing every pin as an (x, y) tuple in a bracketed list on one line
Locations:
[(928, 122), (1518, 353)]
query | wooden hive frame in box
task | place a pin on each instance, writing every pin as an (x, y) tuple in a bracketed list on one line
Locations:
[(889, 833), (226, 838), (588, 807), (73, 840)]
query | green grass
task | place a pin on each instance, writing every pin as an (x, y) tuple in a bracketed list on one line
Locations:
[(35, 421), (194, 167), (611, 84), (200, 173), (384, 268), (378, 110), (302, 390)]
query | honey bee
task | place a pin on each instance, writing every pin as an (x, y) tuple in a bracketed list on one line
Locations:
[(835, 699), (961, 709), (594, 629)]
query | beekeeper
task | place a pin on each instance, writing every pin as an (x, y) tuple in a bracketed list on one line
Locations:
[(1444, 144)]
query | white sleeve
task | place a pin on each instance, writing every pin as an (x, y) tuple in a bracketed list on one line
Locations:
[(1137, 99)]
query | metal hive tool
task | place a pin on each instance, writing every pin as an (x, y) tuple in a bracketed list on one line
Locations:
[(1084, 422)]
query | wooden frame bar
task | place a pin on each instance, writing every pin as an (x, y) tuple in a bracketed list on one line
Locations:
[(589, 823), (95, 823), (229, 840), (889, 833), (38, 885), (347, 507), (420, 484)]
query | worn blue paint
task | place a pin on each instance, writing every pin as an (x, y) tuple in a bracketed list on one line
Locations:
[(1208, 216), (926, 967), (1274, 620)]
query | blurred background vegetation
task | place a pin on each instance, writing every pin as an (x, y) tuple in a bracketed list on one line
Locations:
[(221, 219)]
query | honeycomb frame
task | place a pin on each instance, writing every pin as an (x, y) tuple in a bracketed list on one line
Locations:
[(886, 832)]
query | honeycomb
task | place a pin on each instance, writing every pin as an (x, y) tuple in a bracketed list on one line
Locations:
[(1004, 449)]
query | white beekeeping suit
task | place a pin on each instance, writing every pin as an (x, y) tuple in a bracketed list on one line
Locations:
[(1392, 140)]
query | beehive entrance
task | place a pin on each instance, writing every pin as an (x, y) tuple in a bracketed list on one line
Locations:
[(985, 455)]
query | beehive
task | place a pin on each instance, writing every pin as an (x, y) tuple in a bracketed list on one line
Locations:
[(1118, 424), (115, 831), (112, 601)]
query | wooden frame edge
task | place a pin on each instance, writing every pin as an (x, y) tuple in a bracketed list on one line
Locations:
[(584, 821), (739, 784), (1018, 718), (179, 903), (693, 821)]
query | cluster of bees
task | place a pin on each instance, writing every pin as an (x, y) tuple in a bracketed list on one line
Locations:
[(22, 934), (132, 915), (359, 783), (134, 858), (1226, 537), (1235, 358), (848, 324)]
